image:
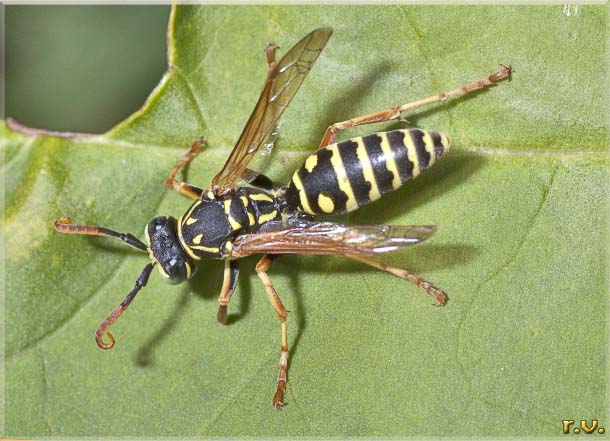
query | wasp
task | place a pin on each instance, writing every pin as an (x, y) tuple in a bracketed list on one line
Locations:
[(228, 221)]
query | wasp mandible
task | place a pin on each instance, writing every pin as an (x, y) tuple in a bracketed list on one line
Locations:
[(227, 221)]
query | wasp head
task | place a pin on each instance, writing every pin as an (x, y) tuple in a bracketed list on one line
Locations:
[(165, 249)]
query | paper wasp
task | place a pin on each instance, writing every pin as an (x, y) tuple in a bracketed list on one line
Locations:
[(227, 221)]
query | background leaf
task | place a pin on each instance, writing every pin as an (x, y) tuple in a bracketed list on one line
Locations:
[(521, 203)]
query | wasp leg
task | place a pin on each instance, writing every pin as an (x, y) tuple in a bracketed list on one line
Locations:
[(183, 188), (64, 225), (270, 55), (118, 311), (261, 269), (394, 112), (228, 288), (438, 294)]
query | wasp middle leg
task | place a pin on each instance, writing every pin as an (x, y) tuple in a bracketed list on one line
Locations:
[(261, 269), (183, 188), (439, 296), (229, 283), (393, 113)]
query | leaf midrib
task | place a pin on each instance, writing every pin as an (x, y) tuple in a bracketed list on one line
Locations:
[(102, 139)]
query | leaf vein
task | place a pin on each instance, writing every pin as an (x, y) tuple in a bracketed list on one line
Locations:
[(493, 275), (192, 96), (45, 393)]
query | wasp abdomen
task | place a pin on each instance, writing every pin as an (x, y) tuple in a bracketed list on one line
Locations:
[(341, 177)]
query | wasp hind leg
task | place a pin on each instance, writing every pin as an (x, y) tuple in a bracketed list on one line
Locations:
[(183, 188), (393, 113), (439, 296), (261, 269)]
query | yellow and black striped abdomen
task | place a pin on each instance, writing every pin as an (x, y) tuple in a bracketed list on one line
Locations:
[(344, 176)]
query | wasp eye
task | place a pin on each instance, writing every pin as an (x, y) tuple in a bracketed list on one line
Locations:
[(175, 270)]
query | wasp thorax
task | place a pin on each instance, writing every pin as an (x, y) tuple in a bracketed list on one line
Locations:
[(165, 250)]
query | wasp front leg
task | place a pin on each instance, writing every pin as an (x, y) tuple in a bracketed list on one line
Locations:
[(261, 269), (393, 113), (439, 296), (183, 188), (229, 284)]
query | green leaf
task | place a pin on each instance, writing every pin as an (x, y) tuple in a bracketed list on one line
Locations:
[(521, 203)]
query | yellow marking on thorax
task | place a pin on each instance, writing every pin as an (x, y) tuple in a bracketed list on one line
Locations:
[(181, 239), (246, 201), (189, 270), (261, 197), (302, 195), (429, 146), (234, 224), (188, 250), (187, 215), (367, 169), (411, 153), (191, 221), (344, 185), (311, 162), (251, 220), (196, 239), (227, 206), (207, 249), (390, 163), (326, 203), (267, 217)]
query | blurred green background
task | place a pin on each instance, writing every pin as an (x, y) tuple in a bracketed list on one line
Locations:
[(81, 68)]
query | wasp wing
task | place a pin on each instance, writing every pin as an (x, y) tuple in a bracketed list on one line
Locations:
[(283, 81), (325, 238)]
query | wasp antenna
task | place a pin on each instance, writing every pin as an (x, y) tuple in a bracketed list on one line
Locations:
[(64, 225), (116, 312)]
